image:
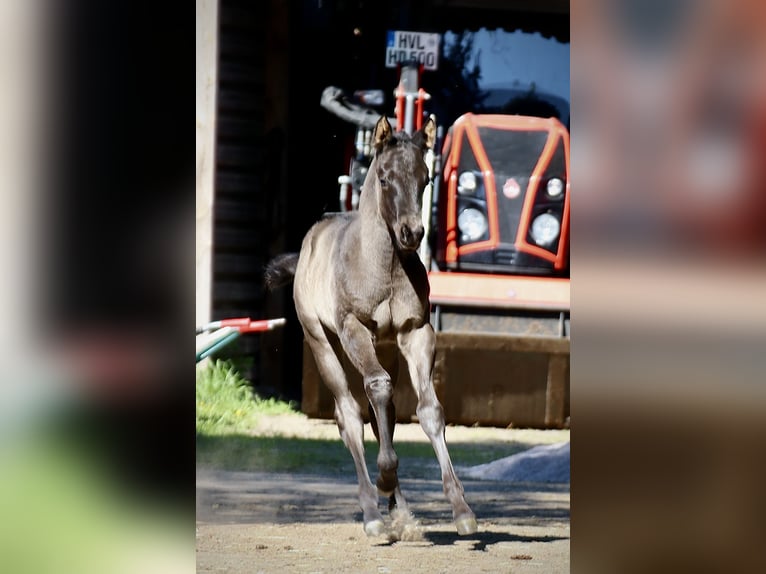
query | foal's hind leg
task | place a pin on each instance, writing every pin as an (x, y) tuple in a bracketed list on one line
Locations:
[(417, 347), (350, 424)]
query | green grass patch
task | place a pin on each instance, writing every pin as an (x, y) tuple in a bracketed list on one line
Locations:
[(323, 456), (226, 403), (461, 453), (273, 454), (227, 409)]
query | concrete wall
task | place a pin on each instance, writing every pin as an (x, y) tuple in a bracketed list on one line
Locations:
[(480, 379)]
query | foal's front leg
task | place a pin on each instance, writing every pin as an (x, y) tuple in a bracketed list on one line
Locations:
[(360, 348), (418, 346)]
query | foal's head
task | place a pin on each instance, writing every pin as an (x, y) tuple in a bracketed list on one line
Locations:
[(400, 176)]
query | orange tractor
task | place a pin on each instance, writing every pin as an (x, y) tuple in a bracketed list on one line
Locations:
[(497, 221)]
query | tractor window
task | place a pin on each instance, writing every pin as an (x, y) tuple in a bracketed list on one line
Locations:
[(513, 153)]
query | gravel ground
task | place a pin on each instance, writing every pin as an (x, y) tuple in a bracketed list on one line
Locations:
[(254, 522)]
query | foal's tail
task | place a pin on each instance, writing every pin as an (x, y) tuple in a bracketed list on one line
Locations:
[(280, 270)]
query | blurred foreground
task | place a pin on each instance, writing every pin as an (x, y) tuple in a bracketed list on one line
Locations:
[(668, 285)]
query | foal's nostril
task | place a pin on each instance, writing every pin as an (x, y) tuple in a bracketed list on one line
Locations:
[(411, 237), (418, 232)]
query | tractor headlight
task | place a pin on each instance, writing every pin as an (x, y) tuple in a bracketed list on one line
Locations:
[(555, 187), (466, 182), (545, 229), (472, 224)]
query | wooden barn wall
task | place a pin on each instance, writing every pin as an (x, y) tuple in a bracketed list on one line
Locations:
[(240, 220)]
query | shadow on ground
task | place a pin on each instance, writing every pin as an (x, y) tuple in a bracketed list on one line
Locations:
[(252, 497)]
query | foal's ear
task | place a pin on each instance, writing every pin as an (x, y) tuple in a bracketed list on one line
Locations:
[(425, 137), (382, 133)]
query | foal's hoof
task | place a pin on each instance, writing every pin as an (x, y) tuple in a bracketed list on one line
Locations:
[(374, 528), (466, 525)]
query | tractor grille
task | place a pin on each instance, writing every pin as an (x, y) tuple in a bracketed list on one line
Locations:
[(513, 156)]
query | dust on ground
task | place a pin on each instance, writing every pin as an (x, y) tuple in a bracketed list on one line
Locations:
[(257, 522)]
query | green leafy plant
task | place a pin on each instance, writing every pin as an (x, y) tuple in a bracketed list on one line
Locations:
[(226, 403)]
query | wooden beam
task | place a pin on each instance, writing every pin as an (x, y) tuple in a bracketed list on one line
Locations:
[(206, 91)]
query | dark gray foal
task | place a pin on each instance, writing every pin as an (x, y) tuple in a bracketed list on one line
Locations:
[(358, 275)]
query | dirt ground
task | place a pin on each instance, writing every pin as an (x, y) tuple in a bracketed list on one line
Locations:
[(253, 522)]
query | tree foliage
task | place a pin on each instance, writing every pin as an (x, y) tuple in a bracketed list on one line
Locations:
[(455, 88), (530, 104)]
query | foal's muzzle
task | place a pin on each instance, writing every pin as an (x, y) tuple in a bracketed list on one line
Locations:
[(410, 235)]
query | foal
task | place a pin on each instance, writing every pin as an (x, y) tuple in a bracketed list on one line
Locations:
[(358, 276)]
